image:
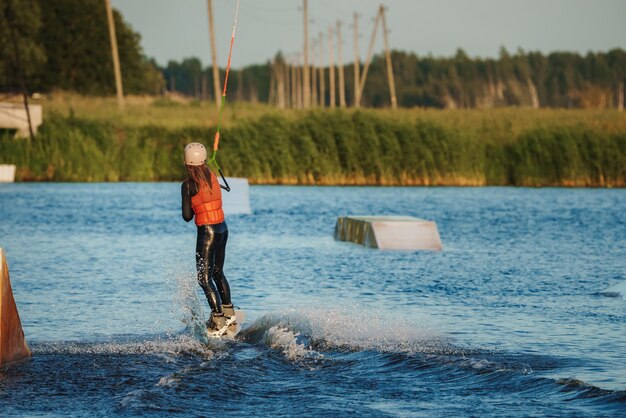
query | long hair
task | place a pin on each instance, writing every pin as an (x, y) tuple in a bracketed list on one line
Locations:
[(199, 174)]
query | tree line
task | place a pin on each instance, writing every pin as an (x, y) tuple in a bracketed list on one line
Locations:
[(525, 79), (65, 45)]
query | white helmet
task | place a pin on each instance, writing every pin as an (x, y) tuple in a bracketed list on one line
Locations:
[(195, 154)]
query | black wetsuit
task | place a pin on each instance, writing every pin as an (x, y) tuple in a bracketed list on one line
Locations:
[(210, 253)]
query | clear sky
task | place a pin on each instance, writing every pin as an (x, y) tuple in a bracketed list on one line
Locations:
[(176, 29)]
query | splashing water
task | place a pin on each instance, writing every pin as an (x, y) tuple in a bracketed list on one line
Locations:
[(300, 333), (287, 341), (188, 306)]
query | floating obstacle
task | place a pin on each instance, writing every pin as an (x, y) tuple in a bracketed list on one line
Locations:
[(7, 173), (13, 116), (237, 201), (389, 232), (13, 346)]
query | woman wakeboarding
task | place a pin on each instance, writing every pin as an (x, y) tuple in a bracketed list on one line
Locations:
[(202, 199)]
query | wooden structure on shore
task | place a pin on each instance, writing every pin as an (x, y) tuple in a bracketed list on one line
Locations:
[(14, 116), (7, 173)]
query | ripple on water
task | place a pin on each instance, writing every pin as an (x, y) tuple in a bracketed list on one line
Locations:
[(510, 319)]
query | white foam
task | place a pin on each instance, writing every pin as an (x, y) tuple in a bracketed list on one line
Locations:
[(282, 338), (169, 381), (174, 346), (617, 290)]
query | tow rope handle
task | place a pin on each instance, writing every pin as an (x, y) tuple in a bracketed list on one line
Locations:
[(213, 162), (227, 187)]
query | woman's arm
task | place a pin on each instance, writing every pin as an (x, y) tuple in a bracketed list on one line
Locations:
[(186, 197)]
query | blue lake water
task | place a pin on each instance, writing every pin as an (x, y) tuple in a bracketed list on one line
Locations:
[(523, 313)]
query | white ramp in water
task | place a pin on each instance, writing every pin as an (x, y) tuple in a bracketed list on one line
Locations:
[(389, 232), (237, 201)]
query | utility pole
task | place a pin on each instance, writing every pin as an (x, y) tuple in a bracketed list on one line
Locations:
[(216, 70), (287, 71), (313, 77), (299, 95), (280, 77), (342, 85), (392, 84), (322, 77), (294, 86), (331, 67), (357, 63), (288, 78), (306, 83), (369, 58), (272, 93), (116, 57)]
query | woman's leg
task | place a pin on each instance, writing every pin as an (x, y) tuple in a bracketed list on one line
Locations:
[(205, 261), (218, 268)]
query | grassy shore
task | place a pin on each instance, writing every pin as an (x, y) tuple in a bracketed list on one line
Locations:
[(86, 139)]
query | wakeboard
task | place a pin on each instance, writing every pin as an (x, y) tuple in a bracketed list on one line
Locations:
[(231, 329)]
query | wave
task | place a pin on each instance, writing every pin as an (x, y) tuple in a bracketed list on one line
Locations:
[(354, 330), (314, 334), (335, 340), (325, 335)]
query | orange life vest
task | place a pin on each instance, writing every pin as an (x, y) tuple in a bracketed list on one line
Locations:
[(207, 203)]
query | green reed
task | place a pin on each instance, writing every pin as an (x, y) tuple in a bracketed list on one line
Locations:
[(499, 147)]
